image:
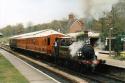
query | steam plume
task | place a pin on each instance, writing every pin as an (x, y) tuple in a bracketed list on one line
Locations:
[(95, 9), (75, 47), (92, 9)]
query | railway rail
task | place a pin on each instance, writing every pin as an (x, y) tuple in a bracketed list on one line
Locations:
[(97, 77), (44, 66)]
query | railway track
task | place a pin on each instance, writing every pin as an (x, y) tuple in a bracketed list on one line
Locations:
[(112, 71), (105, 78), (44, 66), (95, 77)]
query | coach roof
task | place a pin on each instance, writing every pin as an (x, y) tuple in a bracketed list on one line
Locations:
[(37, 34)]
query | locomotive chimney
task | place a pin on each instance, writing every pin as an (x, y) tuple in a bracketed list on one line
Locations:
[(85, 34), (86, 37)]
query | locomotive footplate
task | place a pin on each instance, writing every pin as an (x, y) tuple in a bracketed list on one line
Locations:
[(93, 61)]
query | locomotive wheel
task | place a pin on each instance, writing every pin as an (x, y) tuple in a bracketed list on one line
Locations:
[(66, 63), (92, 69)]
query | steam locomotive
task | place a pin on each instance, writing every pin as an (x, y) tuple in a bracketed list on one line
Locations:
[(43, 42)]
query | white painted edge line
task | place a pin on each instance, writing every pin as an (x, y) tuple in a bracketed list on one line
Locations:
[(36, 69)]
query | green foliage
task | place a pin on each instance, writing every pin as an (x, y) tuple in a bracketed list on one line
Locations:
[(120, 57), (118, 45), (58, 25), (55, 25), (115, 19), (12, 30)]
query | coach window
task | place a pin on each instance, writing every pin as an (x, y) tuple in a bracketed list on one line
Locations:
[(48, 41)]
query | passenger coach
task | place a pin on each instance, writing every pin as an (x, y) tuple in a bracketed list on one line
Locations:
[(39, 41)]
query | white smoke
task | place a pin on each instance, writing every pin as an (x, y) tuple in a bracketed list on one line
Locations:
[(95, 9), (74, 47)]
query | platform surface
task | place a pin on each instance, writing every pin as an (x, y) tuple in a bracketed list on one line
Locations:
[(110, 60), (30, 73)]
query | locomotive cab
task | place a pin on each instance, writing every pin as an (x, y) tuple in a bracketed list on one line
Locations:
[(65, 41)]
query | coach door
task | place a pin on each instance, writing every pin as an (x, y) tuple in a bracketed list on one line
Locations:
[(48, 45)]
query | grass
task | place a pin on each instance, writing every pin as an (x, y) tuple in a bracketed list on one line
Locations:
[(121, 56), (8, 74)]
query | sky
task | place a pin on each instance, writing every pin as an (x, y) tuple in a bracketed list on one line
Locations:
[(13, 12), (36, 11)]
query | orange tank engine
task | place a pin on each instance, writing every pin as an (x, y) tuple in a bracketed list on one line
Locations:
[(39, 41)]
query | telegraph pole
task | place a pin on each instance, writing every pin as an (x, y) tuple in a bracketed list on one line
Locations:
[(110, 41)]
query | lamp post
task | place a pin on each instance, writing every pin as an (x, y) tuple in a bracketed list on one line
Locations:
[(110, 41)]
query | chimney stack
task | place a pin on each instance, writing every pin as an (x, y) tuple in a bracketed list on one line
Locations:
[(71, 17)]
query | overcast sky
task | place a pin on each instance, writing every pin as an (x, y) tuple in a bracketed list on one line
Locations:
[(36, 11)]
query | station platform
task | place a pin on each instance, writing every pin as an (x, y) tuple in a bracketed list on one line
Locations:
[(109, 60), (32, 74)]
